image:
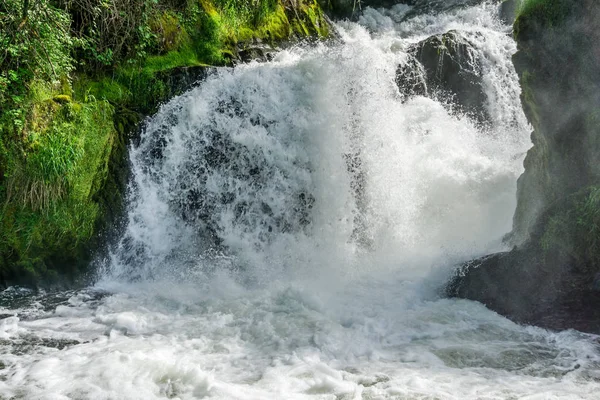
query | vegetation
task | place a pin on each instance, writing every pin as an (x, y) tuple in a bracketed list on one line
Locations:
[(537, 14), (573, 228), (75, 77)]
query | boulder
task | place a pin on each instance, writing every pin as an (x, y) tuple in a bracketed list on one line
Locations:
[(445, 66), (552, 293), (411, 78)]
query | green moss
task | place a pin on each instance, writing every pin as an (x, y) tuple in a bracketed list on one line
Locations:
[(217, 30), (102, 89), (169, 31), (274, 27), (276, 23), (49, 211), (174, 59), (139, 88), (572, 227), (534, 15)]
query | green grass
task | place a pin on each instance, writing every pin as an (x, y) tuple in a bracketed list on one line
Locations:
[(49, 209)]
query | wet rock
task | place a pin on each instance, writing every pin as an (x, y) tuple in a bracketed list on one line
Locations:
[(256, 53), (411, 78), (551, 291), (553, 279), (445, 66), (180, 79), (508, 11)]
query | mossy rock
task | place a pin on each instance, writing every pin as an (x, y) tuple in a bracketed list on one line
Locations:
[(551, 277), (536, 15), (509, 10), (551, 280), (50, 214)]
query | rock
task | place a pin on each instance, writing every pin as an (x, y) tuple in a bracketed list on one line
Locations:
[(551, 291), (256, 53), (180, 79), (551, 280), (552, 277), (445, 66), (508, 11), (559, 67), (411, 78)]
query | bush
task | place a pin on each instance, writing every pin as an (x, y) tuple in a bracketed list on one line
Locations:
[(34, 42)]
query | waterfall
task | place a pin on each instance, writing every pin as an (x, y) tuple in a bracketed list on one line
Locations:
[(314, 161)]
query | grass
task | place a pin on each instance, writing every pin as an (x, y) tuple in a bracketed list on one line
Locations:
[(48, 210), (574, 227)]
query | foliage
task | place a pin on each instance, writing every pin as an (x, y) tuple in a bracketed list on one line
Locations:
[(242, 13), (34, 42), (49, 207), (574, 227), (109, 31)]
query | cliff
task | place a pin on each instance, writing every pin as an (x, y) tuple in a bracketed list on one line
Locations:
[(552, 276)]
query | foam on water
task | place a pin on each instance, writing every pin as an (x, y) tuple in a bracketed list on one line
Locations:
[(289, 224)]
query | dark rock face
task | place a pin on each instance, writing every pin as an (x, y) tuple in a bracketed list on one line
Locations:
[(445, 66), (552, 277), (180, 79), (411, 78), (559, 66), (550, 292), (508, 10)]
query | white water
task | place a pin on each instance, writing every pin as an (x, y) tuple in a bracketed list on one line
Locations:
[(251, 269)]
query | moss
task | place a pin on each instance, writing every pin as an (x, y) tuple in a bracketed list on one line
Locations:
[(49, 212), (534, 15), (102, 89), (275, 27), (572, 227), (169, 31), (62, 98), (217, 31)]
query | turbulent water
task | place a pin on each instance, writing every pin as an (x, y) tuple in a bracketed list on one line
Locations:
[(290, 224)]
